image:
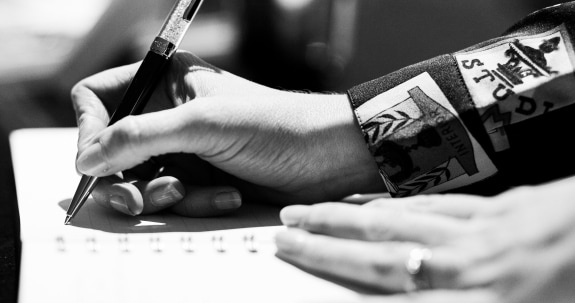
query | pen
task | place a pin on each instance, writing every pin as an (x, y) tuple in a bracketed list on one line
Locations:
[(142, 85)]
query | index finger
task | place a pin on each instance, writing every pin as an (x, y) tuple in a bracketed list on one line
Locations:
[(93, 96), (371, 224)]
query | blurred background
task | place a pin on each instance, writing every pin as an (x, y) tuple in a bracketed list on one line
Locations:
[(317, 45), (46, 46)]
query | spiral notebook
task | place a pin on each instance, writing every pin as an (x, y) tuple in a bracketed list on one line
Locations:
[(108, 257)]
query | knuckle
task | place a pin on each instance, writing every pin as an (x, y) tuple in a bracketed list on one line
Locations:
[(383, 269), (450, 272), (128, 134), (81, 119), (316, 219), (377, 227), (105, 150), (77, 90), (120, 141), (77, 95), (381, 203), (451, 275), (422, 202)]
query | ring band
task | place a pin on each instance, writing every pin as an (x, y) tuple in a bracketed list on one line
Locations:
[(415, 268)]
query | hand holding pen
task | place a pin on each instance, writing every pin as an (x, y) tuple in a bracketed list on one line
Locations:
[(144, 82), (217, 135)]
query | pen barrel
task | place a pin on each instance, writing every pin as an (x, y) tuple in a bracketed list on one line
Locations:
[(142, 86), (162, 49)]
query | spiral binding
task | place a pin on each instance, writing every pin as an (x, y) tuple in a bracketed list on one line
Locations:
[(187, 243)]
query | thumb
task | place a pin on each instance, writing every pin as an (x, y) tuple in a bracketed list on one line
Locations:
[(135, 139)]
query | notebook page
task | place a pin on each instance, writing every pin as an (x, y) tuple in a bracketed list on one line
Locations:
[(46, 174), (105, 256)]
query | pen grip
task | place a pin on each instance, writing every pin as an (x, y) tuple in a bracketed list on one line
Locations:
[(141, 87)]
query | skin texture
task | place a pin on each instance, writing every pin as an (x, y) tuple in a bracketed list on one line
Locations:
[(514, 247), (223, 135)]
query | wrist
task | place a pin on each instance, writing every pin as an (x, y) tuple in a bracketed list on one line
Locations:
[(346, 165)]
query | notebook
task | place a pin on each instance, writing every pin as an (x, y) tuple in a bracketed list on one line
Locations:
[(105, 256)]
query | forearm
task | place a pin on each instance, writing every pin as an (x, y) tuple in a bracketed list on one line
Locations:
[(347, 166), (496, 110), (331, 159)]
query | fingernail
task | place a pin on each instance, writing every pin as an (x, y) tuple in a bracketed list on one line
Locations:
[(289, 242), (91, 161), (167, 195), (227, 200), (292, 215), (119, 203)]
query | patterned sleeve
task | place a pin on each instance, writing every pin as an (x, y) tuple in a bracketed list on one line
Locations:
[(498, 114)]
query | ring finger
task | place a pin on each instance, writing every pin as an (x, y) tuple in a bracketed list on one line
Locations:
[(379, 266)]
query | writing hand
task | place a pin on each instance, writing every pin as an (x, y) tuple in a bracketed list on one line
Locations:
[(213, 132)]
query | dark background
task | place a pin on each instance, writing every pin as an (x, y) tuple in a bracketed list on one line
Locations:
[(313, 45)]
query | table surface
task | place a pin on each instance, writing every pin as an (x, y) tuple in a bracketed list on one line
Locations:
[(9, 239), (24, 105)]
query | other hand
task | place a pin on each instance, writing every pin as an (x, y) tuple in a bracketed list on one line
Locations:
[(516, 247)]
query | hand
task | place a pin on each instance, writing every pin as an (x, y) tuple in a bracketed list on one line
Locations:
[(516, 247), (215, 133)]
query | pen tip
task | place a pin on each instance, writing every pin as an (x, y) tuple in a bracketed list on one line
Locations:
[(67, 221)]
